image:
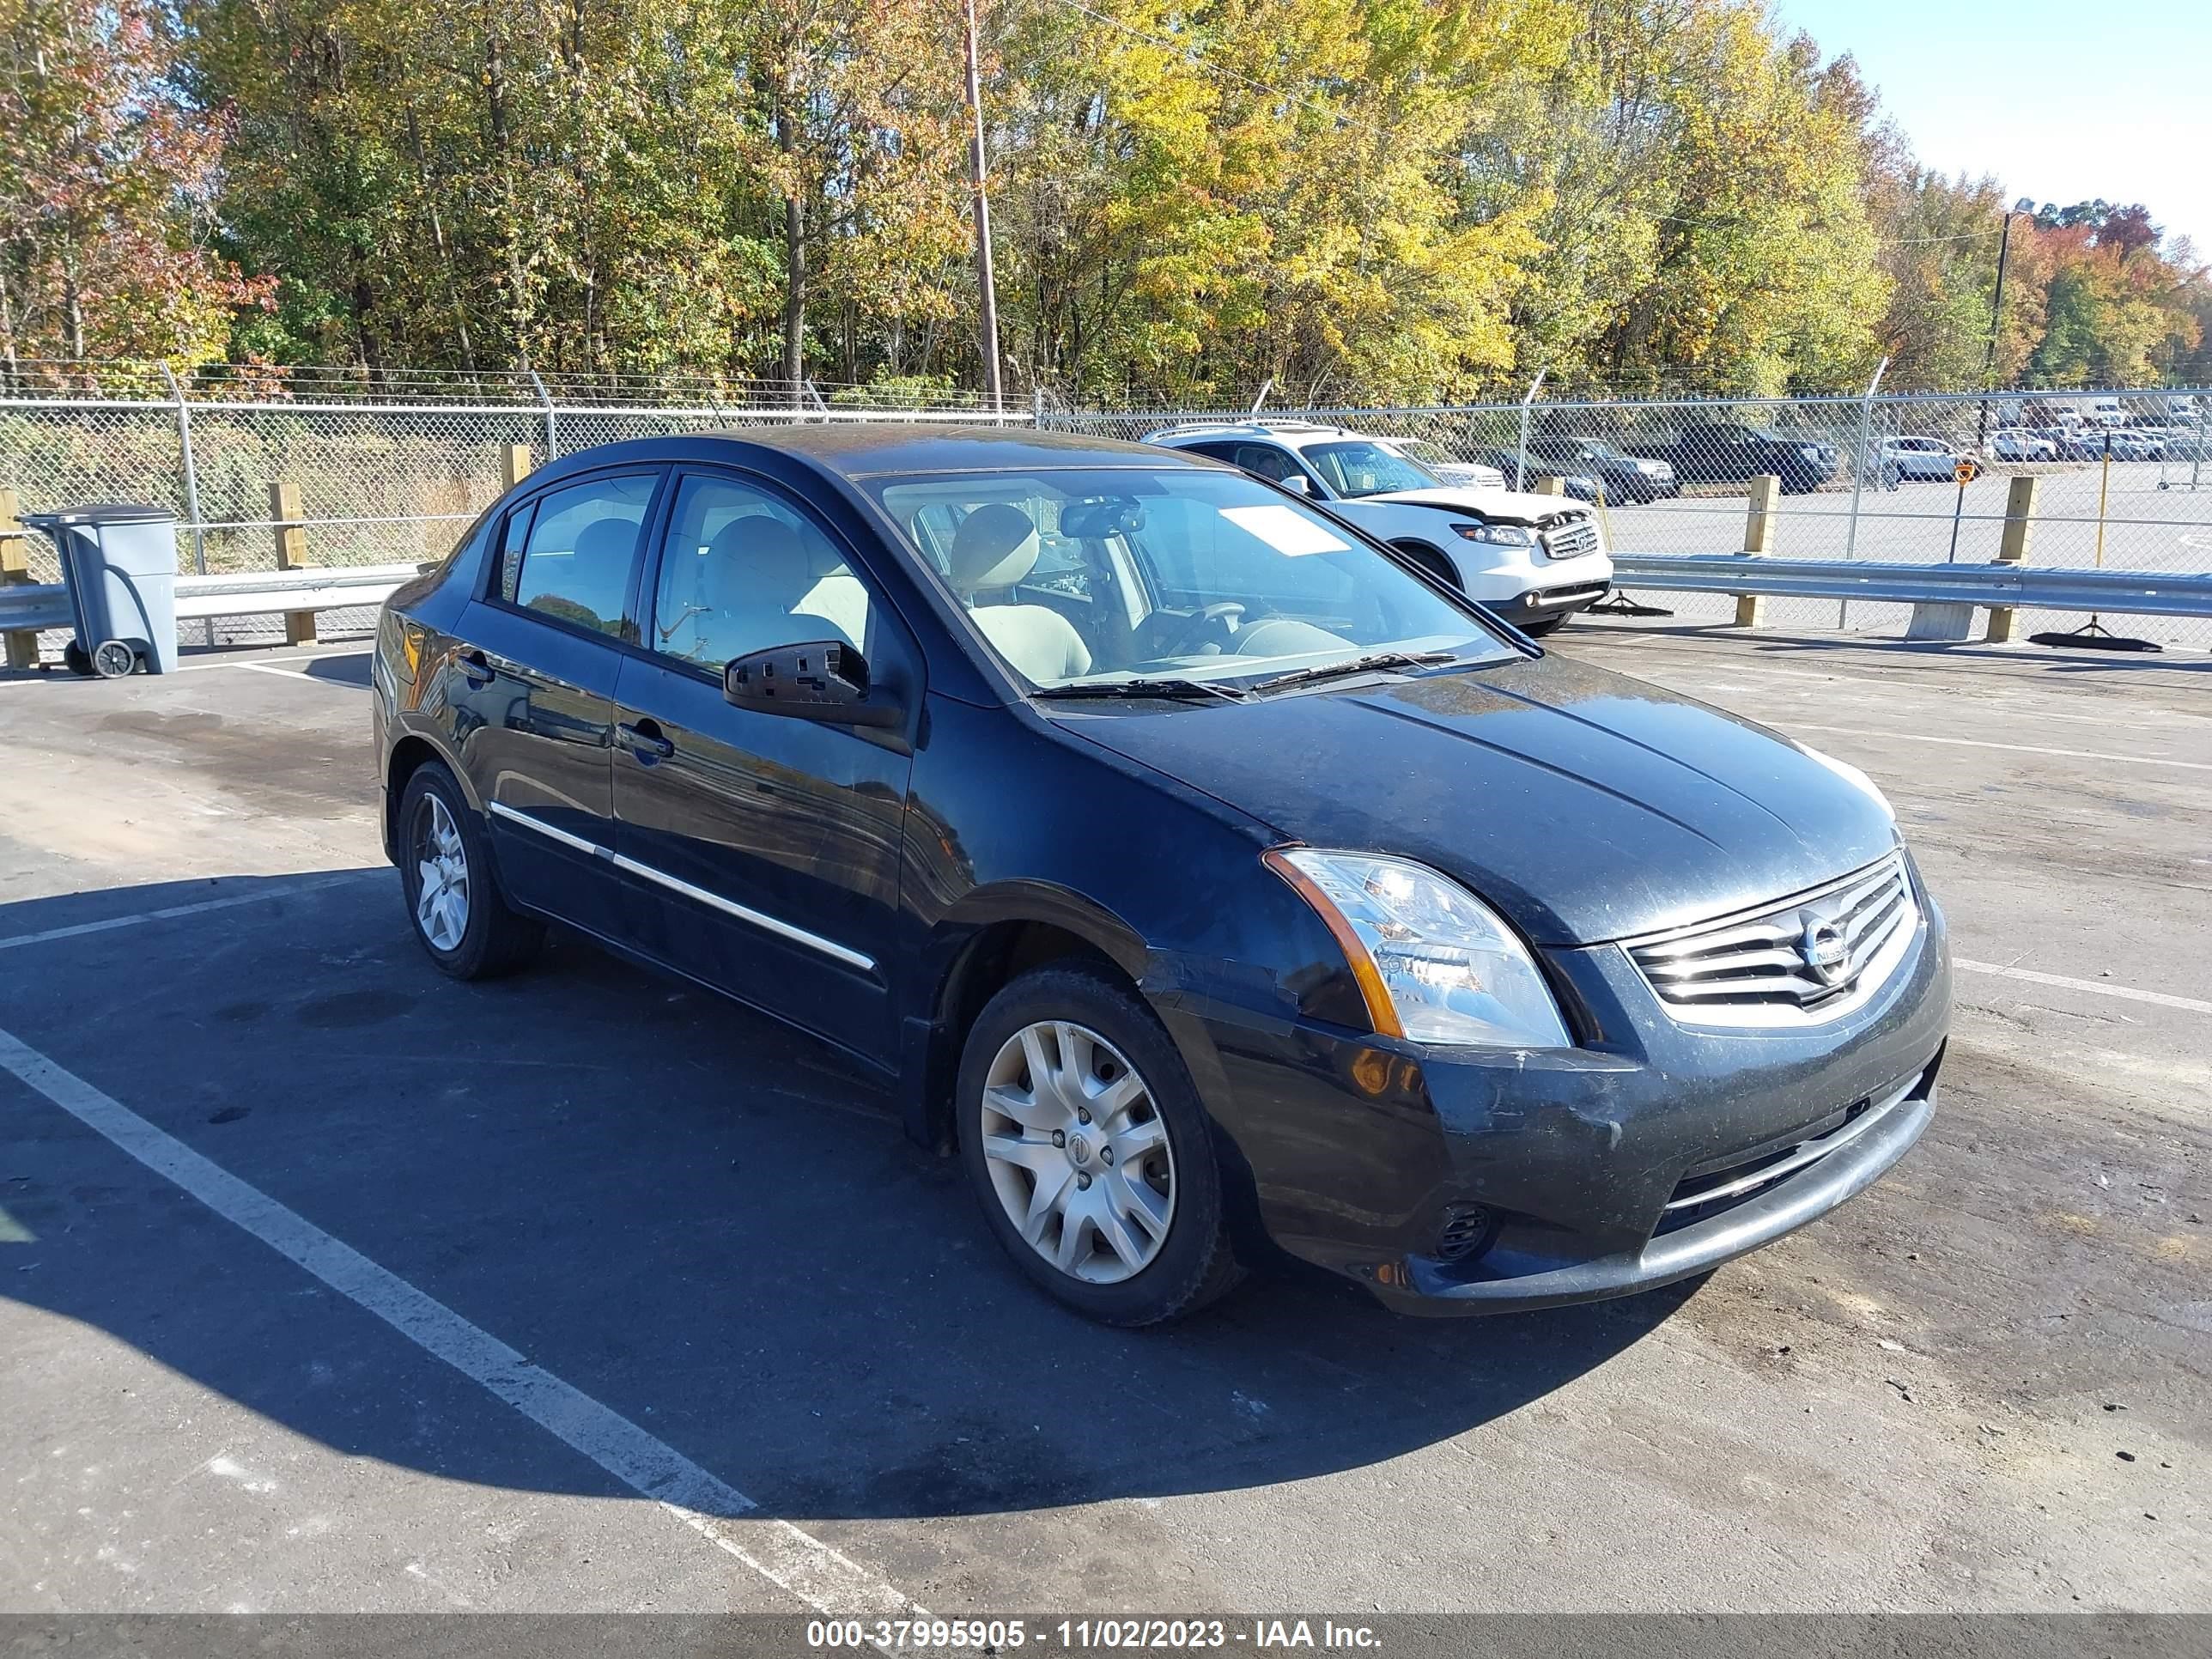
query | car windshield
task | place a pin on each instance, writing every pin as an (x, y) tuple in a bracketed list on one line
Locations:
[(1079, 577), (1360, 467)]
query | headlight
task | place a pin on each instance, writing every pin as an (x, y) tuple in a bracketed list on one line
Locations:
[(1505, 535), (1811, 452), (1434, 962)]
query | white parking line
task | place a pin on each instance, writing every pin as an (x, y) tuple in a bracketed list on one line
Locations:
[(289, 673), (2017, 748), (792, 1560), (206, 667), (167, 912), (2126, 994)]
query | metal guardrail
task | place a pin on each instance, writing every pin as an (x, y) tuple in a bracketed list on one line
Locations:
[(257, 593), (2025, 587)]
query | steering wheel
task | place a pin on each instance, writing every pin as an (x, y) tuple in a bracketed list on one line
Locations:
[(1216, 625)]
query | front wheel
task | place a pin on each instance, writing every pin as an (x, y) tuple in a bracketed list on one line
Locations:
[(1090, 1152), (1537, 627)]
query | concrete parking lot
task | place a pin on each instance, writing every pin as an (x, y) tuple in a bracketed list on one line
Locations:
[(328, 1285)]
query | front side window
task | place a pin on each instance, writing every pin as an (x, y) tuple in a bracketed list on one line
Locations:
[(1358, 467), (1211, 575), (743, 572), (572, 558)]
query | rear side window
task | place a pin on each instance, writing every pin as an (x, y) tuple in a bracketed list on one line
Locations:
[(574, 559)]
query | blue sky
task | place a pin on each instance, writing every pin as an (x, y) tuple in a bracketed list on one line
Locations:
[(2061, 99)]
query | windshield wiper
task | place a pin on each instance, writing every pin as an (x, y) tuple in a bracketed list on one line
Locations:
[(1330, 670), (1170, 689)]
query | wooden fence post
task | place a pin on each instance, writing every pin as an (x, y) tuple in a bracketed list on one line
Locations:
[(1758, 537), (2012, 547), (514, 464), (291, 554), (16, 571)]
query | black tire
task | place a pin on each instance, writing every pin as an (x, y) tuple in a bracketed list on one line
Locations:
[(1195, 1263), (496, 940), (76, 659), (1538, 627)]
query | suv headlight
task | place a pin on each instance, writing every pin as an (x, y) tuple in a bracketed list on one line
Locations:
[(1505, 535), (1434, 962)]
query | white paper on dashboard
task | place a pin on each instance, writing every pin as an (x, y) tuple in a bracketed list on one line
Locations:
[(1286, 530)]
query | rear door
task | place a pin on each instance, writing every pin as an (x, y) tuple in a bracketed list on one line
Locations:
[(760, 852), (535, 695)]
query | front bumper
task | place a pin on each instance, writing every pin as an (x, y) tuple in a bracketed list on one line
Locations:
[(1598, 1170), (1557, 599)]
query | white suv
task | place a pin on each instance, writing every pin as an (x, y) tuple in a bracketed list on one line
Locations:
[(1534, 560)]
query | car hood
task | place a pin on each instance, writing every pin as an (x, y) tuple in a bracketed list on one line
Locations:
[(1586, 806), (1505, 505)]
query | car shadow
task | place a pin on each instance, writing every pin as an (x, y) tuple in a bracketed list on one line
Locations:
[(708, 1224)]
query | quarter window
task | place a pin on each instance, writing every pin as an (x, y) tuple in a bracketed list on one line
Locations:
[(576, 560), (744, 572)]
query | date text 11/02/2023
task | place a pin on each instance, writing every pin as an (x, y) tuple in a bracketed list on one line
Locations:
[(1085, 1635)]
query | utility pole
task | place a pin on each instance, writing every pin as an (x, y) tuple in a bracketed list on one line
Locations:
[(984, 283), (1996, 319)]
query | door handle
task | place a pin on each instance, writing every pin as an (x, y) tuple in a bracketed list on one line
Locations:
[(645, 741), (475, 668)]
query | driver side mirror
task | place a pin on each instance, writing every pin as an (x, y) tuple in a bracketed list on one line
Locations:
[(824, 680)]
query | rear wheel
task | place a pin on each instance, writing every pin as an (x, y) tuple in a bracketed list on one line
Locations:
[(1090, 1152), (460, 918)]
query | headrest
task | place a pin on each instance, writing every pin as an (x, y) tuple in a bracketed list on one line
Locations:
[(996, 546), (607, 538), (760, 554)]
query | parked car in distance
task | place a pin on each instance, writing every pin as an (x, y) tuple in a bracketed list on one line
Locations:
[(1533, 559), (1512, 463), (1215, 882), (2106, 412), (1921, 458), (1726, 453), (2018, 443), (1631, 479), (1441, 462), (2130, 443)]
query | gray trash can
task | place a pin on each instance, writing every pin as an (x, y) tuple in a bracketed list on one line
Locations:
[(119, 564)]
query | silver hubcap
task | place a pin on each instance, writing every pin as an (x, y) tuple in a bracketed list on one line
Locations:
[(1077, 1153), (441, 871)]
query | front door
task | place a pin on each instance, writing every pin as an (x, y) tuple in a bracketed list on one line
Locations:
[(535, 694), (760, 852)]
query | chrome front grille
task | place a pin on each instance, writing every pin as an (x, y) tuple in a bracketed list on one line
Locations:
[(1570, 539), (1808, 959)]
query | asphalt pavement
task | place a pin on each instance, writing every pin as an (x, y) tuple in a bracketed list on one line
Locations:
[(327, 1285)]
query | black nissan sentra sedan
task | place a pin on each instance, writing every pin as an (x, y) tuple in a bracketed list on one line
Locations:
[(1213, 880)]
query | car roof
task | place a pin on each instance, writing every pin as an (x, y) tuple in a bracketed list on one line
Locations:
[(860, 449), (1291, 431)]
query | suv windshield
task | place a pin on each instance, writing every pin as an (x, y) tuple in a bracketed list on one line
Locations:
[(1360, 467), (1081, 577)]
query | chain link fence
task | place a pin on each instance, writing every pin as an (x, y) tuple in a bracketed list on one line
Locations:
[(2121, 479), (390, 467), (389, 470)]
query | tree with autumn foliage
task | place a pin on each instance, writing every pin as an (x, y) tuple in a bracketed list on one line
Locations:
[(107, 181), (1352, 200)]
